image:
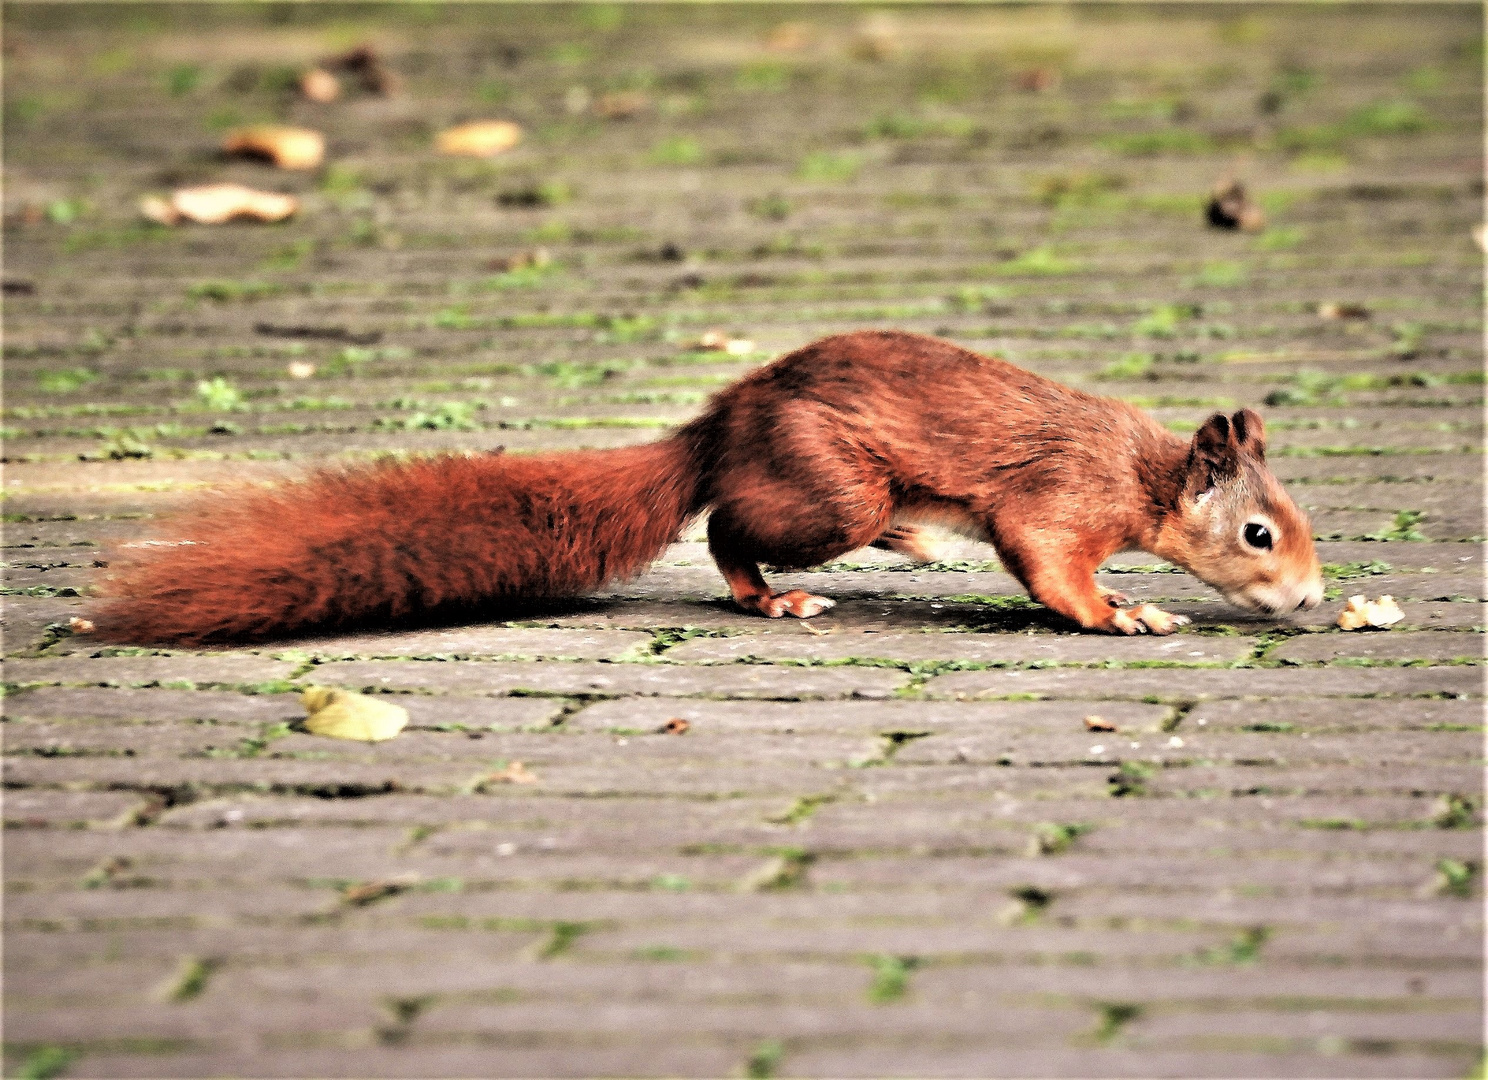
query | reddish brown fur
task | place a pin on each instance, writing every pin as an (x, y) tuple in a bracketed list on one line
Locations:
[(804, 460)]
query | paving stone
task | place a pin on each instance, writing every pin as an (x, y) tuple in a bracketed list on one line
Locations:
[(587, 678), (67, 809), (1293, 715), (868, 719), (485, 641), (657, 904), (1378, 646), (204, 669), (119, 703), (1175, 685), (1000, 648)]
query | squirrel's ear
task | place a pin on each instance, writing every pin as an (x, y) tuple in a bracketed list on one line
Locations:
[(1213, 456), (1250, 433)]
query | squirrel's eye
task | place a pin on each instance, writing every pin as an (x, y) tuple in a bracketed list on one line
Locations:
[(1258, 536)]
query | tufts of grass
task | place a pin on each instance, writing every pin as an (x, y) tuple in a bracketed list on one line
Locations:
[(1130, 779), (1220, 275), (1355, 570), (1134, 365), (45, 1062), (65, 380), (1113, 1017), (890, 981), (829, 167), (219, 395), (191, 979), (764, 1059), (1062, 190), (1038, 262), (1153, 143), (1456, 811), (1456, 877), (225, 291), (1403, 528), (1051, 838), (677, 150), (1243, 949)]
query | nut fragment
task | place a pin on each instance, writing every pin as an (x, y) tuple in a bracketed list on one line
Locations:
[(479, 138), (300, 369), (1230, 208), (718, 341), (522, 260), (515, 773), (1333, 310), (213, 204), (1362, 612), (622, 105), (285, 147), (1098, 723), (1038, 80), (320, 85), (675, 726)]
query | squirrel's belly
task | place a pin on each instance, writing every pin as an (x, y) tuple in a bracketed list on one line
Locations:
[(950, 516)]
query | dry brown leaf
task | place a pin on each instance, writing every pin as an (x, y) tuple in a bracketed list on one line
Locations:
[(283, 146), (320, 85), (366, 63), (515, 773), (789, 37), (1362, 613), (366, 892), (622, 105), (79, 625), (675, 726), (1098, 723), (214, 204), (341, 714), (1038, 80), (537, 257), (1230, 207), (1333, 310), (480, 138), (878, 40)]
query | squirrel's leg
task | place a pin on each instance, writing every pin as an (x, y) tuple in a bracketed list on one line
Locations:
[(1059, 578), (908, 540), (751, 593)]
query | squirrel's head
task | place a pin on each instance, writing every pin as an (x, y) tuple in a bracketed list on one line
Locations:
[(1236, 528)]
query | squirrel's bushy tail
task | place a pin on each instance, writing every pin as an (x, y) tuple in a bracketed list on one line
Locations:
[(374, 544)]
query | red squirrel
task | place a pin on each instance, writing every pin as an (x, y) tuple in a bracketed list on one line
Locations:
[(842, 444)]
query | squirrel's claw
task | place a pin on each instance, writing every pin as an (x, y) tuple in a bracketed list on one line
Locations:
[(1111, 596), (796, 602), (1146, 618)]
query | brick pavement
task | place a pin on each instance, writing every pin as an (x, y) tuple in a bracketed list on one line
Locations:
[(887, 847)]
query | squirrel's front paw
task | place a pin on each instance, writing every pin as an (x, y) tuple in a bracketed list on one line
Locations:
[(1145, 618), (797, 602)]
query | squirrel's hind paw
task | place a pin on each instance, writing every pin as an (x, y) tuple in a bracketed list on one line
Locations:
[(1146, 618), (796, 602)]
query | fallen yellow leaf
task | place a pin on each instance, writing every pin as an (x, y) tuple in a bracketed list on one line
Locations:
[(286, 147), (479, 138), (213, 204), (341, 714)]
